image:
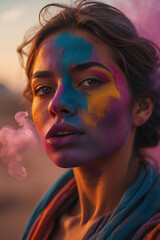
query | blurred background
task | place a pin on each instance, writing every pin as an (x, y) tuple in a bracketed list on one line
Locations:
[(18, 198)]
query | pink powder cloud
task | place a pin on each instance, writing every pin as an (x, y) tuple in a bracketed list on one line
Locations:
[(145, 14), (12, 140)]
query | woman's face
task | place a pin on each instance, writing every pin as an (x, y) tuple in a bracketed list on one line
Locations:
[(81, 103)]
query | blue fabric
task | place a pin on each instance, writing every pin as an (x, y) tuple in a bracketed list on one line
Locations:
[(138, 204)]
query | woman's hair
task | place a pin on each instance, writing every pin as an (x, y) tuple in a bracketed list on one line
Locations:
[(137, 57)]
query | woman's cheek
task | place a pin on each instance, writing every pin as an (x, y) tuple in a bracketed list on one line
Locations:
[(39, 115), (99, 102)]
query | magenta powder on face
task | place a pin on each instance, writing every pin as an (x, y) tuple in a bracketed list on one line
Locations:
[(112, 115)]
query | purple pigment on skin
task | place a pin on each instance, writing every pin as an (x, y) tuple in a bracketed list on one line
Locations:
[(119, 78), (100, 75), (111, 120), (125, 95)]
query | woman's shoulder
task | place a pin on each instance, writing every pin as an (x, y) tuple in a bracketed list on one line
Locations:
[(46, 199), (138, 212), (150, 230)]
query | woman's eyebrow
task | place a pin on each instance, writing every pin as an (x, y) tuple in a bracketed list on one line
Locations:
[(42, 74), (86, 65)]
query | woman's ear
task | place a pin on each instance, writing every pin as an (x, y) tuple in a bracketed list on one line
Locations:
[(142, 110)]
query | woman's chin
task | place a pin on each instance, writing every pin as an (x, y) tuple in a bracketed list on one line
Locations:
[(64, 160)]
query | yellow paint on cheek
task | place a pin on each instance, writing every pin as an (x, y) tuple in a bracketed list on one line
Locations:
[(99, 102)]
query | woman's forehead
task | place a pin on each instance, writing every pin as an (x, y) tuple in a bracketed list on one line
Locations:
[(72, 35), (75, 47), (67, 43)]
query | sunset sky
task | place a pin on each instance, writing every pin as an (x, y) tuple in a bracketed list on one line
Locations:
[(17, 16)]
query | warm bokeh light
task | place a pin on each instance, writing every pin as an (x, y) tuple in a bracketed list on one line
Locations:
[(16, 17)]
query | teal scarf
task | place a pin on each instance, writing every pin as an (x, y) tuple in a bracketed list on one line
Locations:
[(138, 205)]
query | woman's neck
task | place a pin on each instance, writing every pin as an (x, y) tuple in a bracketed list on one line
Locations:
[(102, 184)]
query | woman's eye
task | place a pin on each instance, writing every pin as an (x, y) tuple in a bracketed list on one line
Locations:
[(91, 82), (40, 91)]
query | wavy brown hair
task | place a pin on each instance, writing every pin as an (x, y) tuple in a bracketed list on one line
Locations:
[(137, 57)]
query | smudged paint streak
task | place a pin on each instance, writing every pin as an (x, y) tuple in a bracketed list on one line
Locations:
[(70, 56), (97, 103), (99, 100), (122, 87)]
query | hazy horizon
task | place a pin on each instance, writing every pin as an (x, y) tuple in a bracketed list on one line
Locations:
[(18, 16)]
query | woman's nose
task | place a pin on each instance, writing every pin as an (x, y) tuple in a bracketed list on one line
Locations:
[(62, 103)]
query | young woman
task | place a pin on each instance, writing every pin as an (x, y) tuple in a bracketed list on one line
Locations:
[(94, 86)]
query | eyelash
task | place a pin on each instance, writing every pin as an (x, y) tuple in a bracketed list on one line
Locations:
[(51, 90), (37, 91), (98, 82)]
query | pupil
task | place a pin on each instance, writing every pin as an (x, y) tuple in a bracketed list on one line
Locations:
[(91, 81), (46, 89)]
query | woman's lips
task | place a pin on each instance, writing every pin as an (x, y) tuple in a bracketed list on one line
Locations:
[(64, 134), (59, 142)]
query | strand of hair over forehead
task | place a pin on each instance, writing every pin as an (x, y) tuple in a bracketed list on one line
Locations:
[(83, 10), (48, 12), (77, 5)]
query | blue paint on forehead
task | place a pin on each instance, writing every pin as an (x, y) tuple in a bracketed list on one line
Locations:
[(72, 50), (67, 41)]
